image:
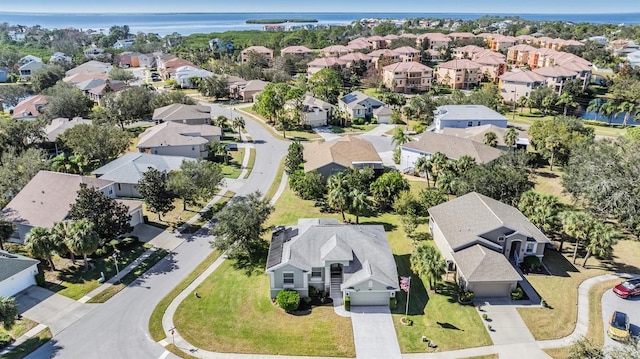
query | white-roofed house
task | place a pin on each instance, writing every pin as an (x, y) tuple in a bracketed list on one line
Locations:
[(185, 74), (345, 260), (462, 116)]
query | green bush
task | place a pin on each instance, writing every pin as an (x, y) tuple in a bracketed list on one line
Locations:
[(419, 127), (531, 261), (288, 299), (347, 304), (393, 303), (358, 121), (40, 279), (517, 294), (373, 121), (5, 339), (466, 296), (313, 291)]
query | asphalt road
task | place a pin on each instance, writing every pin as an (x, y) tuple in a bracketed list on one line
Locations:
[(118, 328), (610, 303)]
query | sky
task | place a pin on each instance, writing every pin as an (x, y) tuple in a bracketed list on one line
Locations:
[(414, 6)]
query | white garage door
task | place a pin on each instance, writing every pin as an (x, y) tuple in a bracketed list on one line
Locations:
[(136, 218), (492, 289), (369, 298)]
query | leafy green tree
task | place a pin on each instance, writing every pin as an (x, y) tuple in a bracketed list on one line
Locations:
[(66, 101), (118, 74), (566, 100), (628, 108), (601, 241), (218, 152), (64, 163), (428, 263), (40, 244), (586, 349), (567, 132), (239, 230), (510, 137), (608, 109), (129, 105), (108, 217), (12, 94), (99, 143), (166, 98), (326, 85), (552, 143), (387, 187), (46, 77), (239, 123), (20, 135), (196, 180), (82, 240), (8, 312), (307, 185), (294, 157), (153, 189), (406, 202), (18, 169), (541, 209), (431, 197), (6, 230), (628, 350), (60, 232), (538, 96), (420, 108), (215, 86), (271, 101), (490, 139)]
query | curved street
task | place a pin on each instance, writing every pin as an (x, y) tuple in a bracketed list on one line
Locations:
[(118, 328)]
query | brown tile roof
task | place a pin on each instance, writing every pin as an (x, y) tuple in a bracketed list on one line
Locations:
[(459, 64), (257, 49), (407, 67), (453, 147), (29, 107), (295, 50), (47, 198), (344, 152), (555, 71), (523, 76), (339, 49), (523, 48), (355, 56)]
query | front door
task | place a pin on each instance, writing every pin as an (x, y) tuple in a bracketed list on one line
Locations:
[(514, 250)]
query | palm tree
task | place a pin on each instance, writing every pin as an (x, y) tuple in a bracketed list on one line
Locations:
[(338, 199), (423, 165), (628, 108), (541, 209), (83, 240), (6, 230), (566, 99), (8, 312), (439, 162), (399, 137), (427, 262), (220, 121), (359, 203), (39, 243), (552, 143), (491, 139), (579, 225), (608, 110), (601, 241), (594, 106), (239, 123), (60, 232), (510, 137)]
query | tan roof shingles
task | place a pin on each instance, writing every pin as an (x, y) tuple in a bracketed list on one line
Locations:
[(478, 264), (47, 198), (344, 152), (453, 147), (177, 134), (179, 112)]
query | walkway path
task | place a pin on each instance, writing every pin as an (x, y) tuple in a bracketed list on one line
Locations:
[(374, 335)]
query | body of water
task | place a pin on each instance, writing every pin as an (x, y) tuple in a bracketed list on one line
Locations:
[(189, 23)]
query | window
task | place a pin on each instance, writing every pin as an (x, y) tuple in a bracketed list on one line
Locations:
[(501, 239), (470, 124), (530, 247), (479, 123), (287, 278), (316, 273)]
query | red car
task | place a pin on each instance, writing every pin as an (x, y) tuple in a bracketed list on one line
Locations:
[(628, 288)]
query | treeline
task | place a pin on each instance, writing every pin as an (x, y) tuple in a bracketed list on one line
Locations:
[(278, 21)]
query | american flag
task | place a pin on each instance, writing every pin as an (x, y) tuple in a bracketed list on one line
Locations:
[(405, 283)]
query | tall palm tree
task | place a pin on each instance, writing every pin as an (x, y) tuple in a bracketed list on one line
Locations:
[(59, 233), (608, 110), (339, 200), (601, 241), (83, 240), (566, 100), (423, 165), (510, 137), (239, 123), (594, 106), (579, 225), (399, 138), (359, 203), (39, 243), (427, 262), (439, 162), (541, 209), (628, 108), (491, 139), (464, 164)]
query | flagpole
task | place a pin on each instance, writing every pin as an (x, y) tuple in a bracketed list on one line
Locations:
[(406, 311)]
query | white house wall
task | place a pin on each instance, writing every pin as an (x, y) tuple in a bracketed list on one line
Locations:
[(409, 156), (15, 284)]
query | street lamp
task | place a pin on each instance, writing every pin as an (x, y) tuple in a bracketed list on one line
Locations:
[(515, 101), (115, 261)]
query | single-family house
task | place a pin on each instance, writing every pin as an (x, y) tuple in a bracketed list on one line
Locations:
[(345, 260), (382, 114), (247, 90), (480, 238), (4, 74), (462, 116), (167, 65), (29, 108), (459, 73), (135, 59), (124, 44), (315, 112), (128, 169), (257, 50), (29, 58), (180, 113), (47, 198), (177, 139), (407, 77), (61, 58), (93, 51), (59, 125), (359, 105), (109, 86), (28, 69), (184, 76), (17, 273), (301, 51), (516, 84), (477, 133), (451, 146), (92, 67), (332, 157)]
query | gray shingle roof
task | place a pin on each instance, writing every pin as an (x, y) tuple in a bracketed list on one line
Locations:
[(179, 112), (12, 264), (478, 263), (130, 167), (177, 134), (453, 147), (467, 112), (365, 245)]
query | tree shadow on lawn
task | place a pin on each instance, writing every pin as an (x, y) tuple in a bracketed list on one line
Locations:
[(418, 293), (557, 264), (388, 227)]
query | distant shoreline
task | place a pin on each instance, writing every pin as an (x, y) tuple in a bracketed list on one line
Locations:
[(277, 21)]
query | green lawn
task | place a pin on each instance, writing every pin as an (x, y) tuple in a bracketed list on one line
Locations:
[(252, 161), (276, 181), (20, 327), (233, 168), (74, 282), (149, 262), (290, 134), (29, 346), (353, 129), (234, 314), (526, 118)]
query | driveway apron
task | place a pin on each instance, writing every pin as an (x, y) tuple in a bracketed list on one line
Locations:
[(373, 333)]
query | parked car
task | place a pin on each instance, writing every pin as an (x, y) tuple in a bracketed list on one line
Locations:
[(618, 326), (628, 288)]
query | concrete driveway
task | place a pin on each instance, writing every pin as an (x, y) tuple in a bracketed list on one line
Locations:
[(51, 309), (610, 303), (373, 333)]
